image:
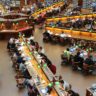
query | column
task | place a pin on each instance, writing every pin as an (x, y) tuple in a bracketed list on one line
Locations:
[(22, 3), (25, 2)]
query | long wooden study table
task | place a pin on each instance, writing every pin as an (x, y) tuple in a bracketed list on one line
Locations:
[(61, 3), (44, 73), (64, 19), (6, 34), (74, 34)]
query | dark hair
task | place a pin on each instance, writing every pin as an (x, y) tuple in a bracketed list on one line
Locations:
[(90, 56), (67, 49), (23, 61), (78, 53), (61, 81), (30, 86)]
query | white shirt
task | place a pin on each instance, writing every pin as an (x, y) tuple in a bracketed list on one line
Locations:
[(66, 86), (42, 51), (11, 40), (63, 35), (49, 32), (31, 38), (16, 41), (22, 67)]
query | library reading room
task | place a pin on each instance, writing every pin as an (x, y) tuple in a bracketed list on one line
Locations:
[(47, 47)]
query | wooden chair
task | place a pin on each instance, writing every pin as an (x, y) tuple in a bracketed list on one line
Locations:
[(87, 69), (20, 81), (75, 65)]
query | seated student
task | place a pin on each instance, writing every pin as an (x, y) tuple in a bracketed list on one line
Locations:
[(72, 93), (67, 54), (22, 67), (89, 61), (14, 59), (78, 61), (32, 91), (13, 45), (20, 81), (19, 58), (24, 70), (65, 86), (57, 78), (42, 55), (31, 38), (63, 35), (59, 23), (48, 62), (45, 60), (52, 24), (36, 46), (79, 23), (10, 42), (88, 65), (48, 89), (32, 42), (41, 50), (87, 21), (46, 35)]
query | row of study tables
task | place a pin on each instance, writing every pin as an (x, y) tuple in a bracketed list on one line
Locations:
[(64, 19), (13, 31), (44, 73), (74, 34), (48, 8)]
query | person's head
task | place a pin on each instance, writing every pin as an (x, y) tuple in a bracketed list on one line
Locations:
[(31, 40), (62, 32), (29, 85), (78, 53), (67, 49), (36, 43), (40, 48), (49, 65), (13, 40), (59, 20), (19, 54), (23, 61), (61, 81), (60, 77)]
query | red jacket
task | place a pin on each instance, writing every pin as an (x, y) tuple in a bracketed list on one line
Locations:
[(53, 68)]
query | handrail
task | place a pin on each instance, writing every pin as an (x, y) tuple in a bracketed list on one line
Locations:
[(73, 33), (47, 8), (67, 17)]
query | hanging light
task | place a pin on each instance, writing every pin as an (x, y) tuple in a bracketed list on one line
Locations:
[(38, 66), (57, 83), (45, 65), (50, 84)]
